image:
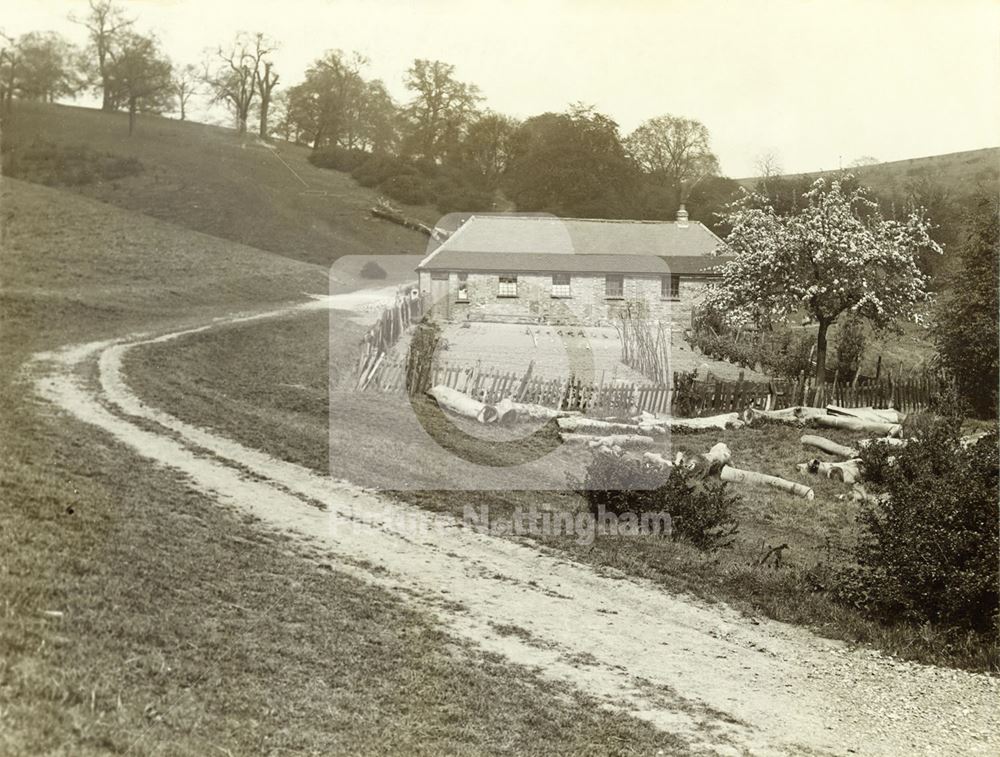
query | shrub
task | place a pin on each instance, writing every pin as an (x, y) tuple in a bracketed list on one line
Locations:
[(928, 546), (966, 334), (408, 189), (380, 168), (338, 158), (463, 199), (701, 513), (850, 347), (372, 270), (65, 165)]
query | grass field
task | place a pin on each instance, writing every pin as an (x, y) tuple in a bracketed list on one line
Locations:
[(139, 617), (264, 412), (958, 173), (203, 178)]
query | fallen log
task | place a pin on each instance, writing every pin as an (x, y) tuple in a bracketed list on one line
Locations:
[(728, 473), (455, 402), (794, 416), (723, 421), (703, 465), (613, 440), (826, 445), (868, 414), (538, 412), (853, 424), (583, 425), (848, 471)]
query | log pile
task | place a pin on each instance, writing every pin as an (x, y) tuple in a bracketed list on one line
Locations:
[(865, 420)]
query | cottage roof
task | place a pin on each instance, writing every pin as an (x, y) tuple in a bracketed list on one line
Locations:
[(522, 262), (543, 243)]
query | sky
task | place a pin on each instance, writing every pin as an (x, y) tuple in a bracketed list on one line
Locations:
[(815, 83)]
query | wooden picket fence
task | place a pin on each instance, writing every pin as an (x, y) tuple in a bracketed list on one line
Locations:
[(386, 331), (685, 397)]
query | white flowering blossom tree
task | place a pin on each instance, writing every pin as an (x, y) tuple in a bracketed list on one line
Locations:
[(835, 254)]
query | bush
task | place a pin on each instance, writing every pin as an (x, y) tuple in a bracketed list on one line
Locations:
[(408, 189), (701, 513), (65, 165), (378, 169), (928, 547), (463, 199), (850, 347), (372, 270), (338, 158), (966, 334)]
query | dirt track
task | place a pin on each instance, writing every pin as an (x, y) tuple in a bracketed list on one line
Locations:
[(725, 683)]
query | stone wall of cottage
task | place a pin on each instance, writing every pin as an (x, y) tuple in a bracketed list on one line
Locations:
[(587, 304)]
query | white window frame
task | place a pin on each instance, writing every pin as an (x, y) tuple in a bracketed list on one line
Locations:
[(462, 295), (608, 294), (562, 285), (507, 289)]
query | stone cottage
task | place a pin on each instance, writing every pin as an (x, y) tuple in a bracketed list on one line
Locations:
[(542, 269)]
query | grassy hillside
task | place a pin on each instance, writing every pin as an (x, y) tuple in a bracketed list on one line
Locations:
[(141, 617), (958, 173), (207, 179)]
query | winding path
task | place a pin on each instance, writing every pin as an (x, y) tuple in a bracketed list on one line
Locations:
[(724, 683)]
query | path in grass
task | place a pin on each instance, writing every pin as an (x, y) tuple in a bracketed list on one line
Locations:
[(719, 680)]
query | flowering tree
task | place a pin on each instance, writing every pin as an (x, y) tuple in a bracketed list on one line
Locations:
[(834, 254)]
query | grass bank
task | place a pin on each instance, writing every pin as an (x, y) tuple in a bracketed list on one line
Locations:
[(283, 406), (140, 617)]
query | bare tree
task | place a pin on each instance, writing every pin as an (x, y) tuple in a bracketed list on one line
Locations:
[(675, 148), (234, 77), (266, 81), (105, 25), (185, 85), (768, 167)]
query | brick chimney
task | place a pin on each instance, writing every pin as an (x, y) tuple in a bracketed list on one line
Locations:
[(682, 217)]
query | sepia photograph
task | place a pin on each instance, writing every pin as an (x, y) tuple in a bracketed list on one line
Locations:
[(453, 377)]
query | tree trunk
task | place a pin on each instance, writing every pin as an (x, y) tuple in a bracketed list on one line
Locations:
[(183, 113), (264, 107), (821, 358), (131, 115)]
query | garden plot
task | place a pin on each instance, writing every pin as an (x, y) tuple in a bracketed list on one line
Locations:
[(558, 351)]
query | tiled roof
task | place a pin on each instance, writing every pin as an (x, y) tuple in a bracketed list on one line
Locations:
[(512, 262), (544, 243)]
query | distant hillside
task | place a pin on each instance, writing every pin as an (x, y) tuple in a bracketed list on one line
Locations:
[(959, 173), (205, 178)]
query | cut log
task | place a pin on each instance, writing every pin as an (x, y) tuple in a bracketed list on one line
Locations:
[(848, 471), (793, 416), (613, 440), (854, 424), (868, 414), (737, 475), (826, 445), (538, 412), (583, 425), (723, 421), (455, 402), (506, 412)]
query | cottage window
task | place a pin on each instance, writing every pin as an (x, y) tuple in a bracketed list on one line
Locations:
[(560, 285), (614, 287), (439, 275), (463, 287), (508, 285), (670, 287)]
